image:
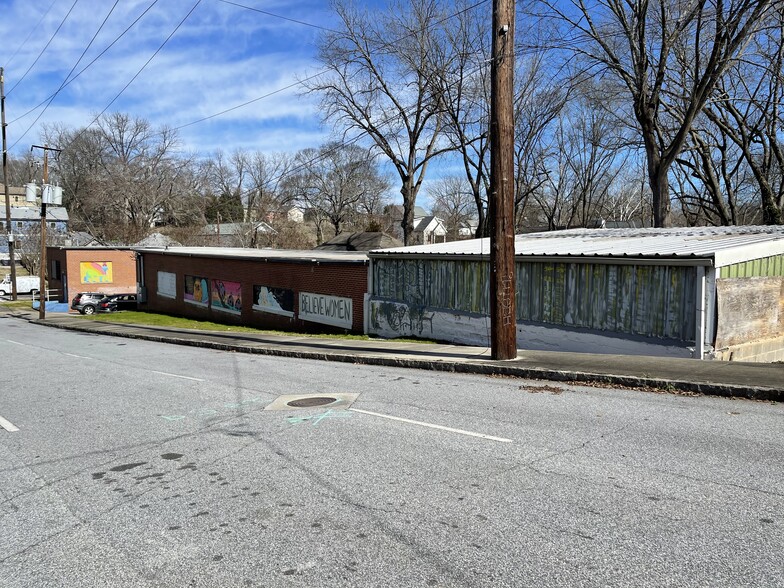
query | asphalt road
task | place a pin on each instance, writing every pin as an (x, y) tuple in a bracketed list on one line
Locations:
[(141, 464)]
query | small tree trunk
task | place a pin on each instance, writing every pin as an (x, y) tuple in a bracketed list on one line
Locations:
[(409, 200), (659, 183)]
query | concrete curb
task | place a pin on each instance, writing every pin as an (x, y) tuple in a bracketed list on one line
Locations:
[(486, 367)]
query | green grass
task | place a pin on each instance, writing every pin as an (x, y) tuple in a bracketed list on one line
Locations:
[(17, 304), (164, 320)]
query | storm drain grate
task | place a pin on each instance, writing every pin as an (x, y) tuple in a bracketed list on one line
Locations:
[(311, 401), (330, 400)]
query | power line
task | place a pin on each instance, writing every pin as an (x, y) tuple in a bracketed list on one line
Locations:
[(325, 70), (109, 46), (299, 82), (136, 75), (146, 63), (272, 14), (278, 91), (65, 79), (62, 22), (30, 34)]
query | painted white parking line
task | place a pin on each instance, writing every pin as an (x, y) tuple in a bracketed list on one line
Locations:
[(177, 376), (7, 425), (432, 426), (18, 343), (76, 356)]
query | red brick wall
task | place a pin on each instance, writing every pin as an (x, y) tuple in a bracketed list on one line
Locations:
[(123, 270), (344, 279)]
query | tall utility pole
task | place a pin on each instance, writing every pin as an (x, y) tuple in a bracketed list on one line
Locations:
[(503, 328), (45, 197), (9, 227)]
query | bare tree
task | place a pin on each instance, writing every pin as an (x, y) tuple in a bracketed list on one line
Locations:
[(380, 83), (638, 42), (265, 200), (334, 183), (28, 246), (453, 201), (538, 103), (463, 73), (121, 177)]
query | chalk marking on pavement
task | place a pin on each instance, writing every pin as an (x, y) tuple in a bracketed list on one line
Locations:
[(432, 426), (177, 376), (7, 425), (317, 418)]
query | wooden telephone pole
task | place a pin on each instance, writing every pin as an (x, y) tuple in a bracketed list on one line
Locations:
[(503, 328), (9, 226), (45, 197)]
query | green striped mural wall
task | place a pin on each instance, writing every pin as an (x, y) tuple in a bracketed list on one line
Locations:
[(765, 267), (647, 300)]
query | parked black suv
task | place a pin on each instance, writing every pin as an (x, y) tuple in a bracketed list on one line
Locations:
[(115, 302), (87, 302)]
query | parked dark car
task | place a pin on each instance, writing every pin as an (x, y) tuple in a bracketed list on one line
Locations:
[(87, 302), (115, 302)]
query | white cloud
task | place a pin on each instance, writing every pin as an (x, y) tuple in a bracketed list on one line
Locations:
[(222, 56)]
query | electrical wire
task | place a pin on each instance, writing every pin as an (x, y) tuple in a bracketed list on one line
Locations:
[(65, 79), (97, 57), (30, 34), (272, 14), (306, 163), (387, 45), (136, 75), (62, 22)]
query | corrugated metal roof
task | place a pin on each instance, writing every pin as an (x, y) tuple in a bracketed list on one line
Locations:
[(724, 245), (261, 254), (28, 213)]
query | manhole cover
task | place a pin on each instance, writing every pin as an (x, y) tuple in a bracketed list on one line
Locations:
[(311, 401)]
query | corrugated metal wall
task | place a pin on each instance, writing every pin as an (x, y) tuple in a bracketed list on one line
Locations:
[(655, 301), (765, 267)]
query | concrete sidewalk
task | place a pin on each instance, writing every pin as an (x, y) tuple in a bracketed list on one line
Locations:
[(750, 380)]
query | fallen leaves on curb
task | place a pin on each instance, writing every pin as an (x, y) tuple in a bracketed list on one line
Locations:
[(539, 389)]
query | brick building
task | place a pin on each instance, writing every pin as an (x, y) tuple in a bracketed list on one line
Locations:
[(303, 291), (110, 270)]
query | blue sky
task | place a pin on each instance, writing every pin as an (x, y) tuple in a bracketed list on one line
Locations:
[(222, 55)]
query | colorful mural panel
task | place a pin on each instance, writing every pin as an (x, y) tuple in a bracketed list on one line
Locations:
[(197, 290), (227, 296), (95, 272), (273, 300)]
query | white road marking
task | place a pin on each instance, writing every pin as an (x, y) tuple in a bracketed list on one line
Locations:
[(18, 343), (432, 426), (76, 356), (177, 376), (7, 425)]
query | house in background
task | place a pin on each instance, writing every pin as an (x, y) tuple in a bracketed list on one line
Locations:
[(27, 219), (429, 230), (16, 195), (365, 241), (234, 234), (467, 228)]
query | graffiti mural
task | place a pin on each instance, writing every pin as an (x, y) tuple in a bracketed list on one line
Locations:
[(196, 290), (227, 296), (95, 272), (401, 319), (274, 300)]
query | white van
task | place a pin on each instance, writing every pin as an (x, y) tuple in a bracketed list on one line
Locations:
[(24, 285)]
